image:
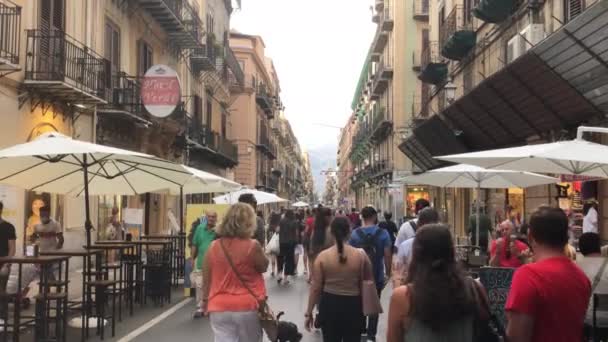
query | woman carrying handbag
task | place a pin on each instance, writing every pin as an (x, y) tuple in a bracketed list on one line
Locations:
[(338, 275), (234, 291)]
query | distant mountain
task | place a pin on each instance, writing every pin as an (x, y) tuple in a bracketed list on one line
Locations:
[(321, 159)]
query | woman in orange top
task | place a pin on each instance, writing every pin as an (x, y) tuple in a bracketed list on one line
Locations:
[(231, 305)]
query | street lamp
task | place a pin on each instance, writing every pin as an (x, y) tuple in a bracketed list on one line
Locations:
[(450, 92)]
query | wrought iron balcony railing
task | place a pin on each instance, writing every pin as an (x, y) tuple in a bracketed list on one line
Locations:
[(434, 69), (235, 67), (456, 36), (263, 98), (203, 58), (124, 96), (56, 60), (179, 19), (421, 9), (10, 32), (212, 141)]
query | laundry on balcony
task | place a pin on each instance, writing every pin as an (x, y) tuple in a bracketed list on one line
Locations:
[(457, 36), (433, 69)]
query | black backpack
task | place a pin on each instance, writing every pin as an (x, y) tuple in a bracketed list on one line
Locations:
[(369, 243)]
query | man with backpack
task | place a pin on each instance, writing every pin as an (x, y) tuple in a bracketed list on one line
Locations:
[(376, 243), (408, 228)]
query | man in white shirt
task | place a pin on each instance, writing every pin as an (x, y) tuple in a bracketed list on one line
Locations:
[(404, 251), (407, 230), (590, 222), (592, 264)]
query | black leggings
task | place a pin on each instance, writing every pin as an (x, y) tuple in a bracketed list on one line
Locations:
[(341, 318), (287, 258)]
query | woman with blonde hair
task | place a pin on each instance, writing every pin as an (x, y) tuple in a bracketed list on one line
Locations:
[(233, 282)]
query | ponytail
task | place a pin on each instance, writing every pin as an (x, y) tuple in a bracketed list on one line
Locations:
[(342, 257), (340, 228)]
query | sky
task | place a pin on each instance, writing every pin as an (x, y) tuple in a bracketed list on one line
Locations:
[(318, 48)]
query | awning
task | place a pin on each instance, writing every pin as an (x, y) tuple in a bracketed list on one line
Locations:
[(431, 138), (559, 84)]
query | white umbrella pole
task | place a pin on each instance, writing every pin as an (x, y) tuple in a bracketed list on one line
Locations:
[(87, 223), (478, 205), (181, 209)]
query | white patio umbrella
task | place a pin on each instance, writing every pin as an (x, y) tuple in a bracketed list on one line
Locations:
[(574, 157), (58, 164), (260, 196), (203, 182), (300, 204), (469, 176)]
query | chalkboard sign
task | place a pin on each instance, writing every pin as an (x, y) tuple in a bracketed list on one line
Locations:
[(497, 282)]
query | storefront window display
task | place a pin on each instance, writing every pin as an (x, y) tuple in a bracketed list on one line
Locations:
[(412, 195)]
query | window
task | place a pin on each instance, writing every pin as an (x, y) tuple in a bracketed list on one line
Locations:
[(198, 109), (572, 8), (224, 124), (144, 57), (51, 15), (209, 112), (112, 46)]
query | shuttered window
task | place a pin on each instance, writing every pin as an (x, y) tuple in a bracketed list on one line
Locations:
[(198, 109), (144, 57), (112, 46), (51, 14), (209, 112), (573, 8)]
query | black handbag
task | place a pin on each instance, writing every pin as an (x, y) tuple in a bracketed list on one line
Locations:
[(486, 327)]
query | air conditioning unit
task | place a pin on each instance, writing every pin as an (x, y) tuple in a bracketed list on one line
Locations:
[(532, 35), (524, 41)]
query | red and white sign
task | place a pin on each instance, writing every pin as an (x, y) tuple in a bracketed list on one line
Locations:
[(160, 91)]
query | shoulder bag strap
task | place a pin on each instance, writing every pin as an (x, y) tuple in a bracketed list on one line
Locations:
[(598, 276), (238, 275)]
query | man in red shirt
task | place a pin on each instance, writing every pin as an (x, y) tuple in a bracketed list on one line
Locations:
[(548, 298), (507, 251)]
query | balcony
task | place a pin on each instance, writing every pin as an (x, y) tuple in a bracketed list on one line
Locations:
[(384, 73), (203, 58), (434, 70), (380, 40), (457, 37), (380, 169), (267, 182), (234, 67), (61, 68), (10, 36), (179, 20), (381, 127), (379, 5), (266, 145), (263, 99), (361, 143), (124, 98), (421, 10), (386, 20), (496, 11), (210, 145)]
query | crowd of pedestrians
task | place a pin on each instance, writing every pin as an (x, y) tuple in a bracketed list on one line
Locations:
[(434, 298)]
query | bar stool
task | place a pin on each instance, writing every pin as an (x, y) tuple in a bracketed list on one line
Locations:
[(117, 275), (44, 304), (101, 289)]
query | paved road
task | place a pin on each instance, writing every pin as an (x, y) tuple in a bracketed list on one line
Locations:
[(292, 299)]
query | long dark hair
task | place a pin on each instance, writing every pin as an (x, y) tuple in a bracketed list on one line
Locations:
[(340, 229), (440, 290), (322, 221)]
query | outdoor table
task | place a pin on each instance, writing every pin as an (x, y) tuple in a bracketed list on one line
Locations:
[(87, 255), (46, 264), (178, 256), (139, 246)]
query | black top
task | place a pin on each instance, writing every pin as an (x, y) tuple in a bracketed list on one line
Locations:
[(391, 228), (7, 233), (288, 231)]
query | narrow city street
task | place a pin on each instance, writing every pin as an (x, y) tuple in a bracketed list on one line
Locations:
[(178, 325)]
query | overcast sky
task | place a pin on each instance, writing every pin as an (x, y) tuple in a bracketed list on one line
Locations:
[(318, 48)]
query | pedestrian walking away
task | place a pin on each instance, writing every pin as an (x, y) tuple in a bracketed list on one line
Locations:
[(288, 238), (437, 303), (377, 245), (408, 228), (232, 307), (336, 288)]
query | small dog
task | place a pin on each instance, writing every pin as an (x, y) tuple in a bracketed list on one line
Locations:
[(287, 331)]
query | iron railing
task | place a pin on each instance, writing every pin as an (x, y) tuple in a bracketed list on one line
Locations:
[(204, 57), (52, 55), (124, 94), (226, 148), (235, 67), (206, 137), (186, 14), (453, 23), (10, 31), (430, 54)]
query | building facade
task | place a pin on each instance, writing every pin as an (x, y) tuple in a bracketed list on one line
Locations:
[(501, 76), (386, 103), (346, 197), (76, 67)]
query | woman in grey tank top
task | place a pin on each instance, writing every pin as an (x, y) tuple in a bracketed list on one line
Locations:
[(438, 303)]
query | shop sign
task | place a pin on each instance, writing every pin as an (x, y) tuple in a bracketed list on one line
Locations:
[(577, 178), (160, 91)]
